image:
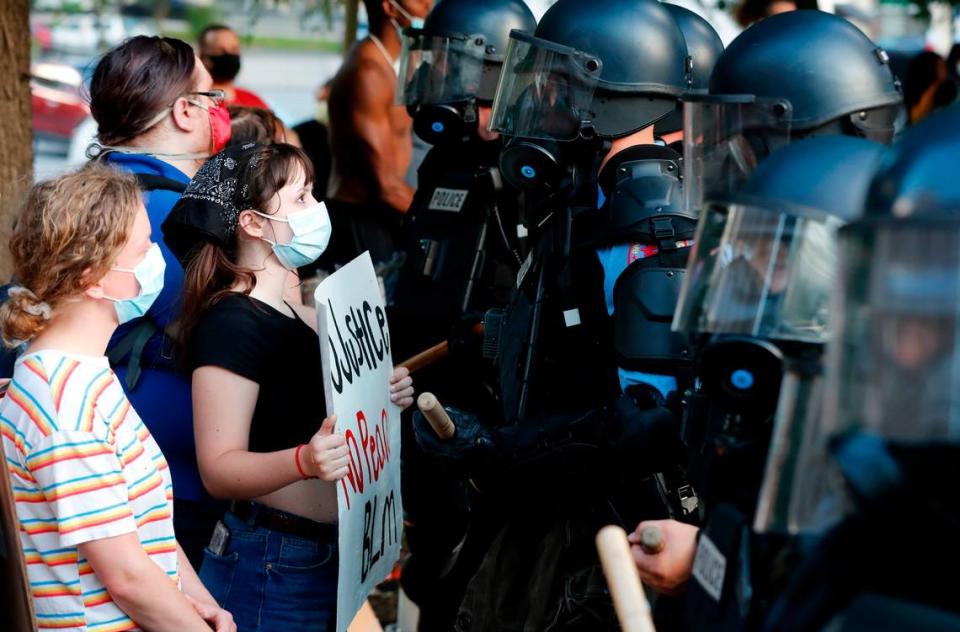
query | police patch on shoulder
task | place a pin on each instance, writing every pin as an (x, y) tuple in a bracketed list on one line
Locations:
[(451, 200), (709, 567)]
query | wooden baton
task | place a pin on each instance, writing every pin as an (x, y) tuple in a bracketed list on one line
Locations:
[(633, 609), (436, 416), (651, 540), (427, 356), (430, 355)]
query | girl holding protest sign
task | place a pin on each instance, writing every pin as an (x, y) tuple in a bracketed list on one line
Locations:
[(93, 491), (247, 218)]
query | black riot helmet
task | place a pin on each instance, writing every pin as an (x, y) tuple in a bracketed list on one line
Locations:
[(789, 76), (823, 65), (591, 71), (764, 258), (453, 63), (893, 368), (704, 47)]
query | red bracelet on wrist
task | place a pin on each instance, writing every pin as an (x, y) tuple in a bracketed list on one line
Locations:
[(296, 459)]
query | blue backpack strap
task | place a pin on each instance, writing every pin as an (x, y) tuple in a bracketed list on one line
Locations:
[(132, 345), (152, 182)]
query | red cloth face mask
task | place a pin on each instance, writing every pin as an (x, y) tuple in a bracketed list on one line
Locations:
[(219, 128)]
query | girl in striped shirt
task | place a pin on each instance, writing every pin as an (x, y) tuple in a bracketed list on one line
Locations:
[(93, 492)]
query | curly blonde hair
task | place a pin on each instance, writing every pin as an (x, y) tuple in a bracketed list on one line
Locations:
[(68, 233)]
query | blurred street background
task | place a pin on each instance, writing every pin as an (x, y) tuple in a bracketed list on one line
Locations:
[(292, 46)]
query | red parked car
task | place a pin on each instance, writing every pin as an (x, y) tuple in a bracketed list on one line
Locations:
[(58, 101)]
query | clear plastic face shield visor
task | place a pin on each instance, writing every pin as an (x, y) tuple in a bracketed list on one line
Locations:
[(761, 272), (545, 90), (724, 139), (893, 366), (438, 70)]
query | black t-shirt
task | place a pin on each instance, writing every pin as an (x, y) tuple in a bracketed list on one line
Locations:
[(280, 353)]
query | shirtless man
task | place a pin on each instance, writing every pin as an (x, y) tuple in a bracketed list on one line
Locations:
[(371, 139)]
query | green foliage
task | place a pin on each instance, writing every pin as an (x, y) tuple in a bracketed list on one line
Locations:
[(200, 16)]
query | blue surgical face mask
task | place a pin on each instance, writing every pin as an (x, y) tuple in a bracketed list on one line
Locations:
[(311, 234), (149, 274), (415, 22)]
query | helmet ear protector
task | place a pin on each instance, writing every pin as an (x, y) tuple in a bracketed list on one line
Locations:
[(444, 124)]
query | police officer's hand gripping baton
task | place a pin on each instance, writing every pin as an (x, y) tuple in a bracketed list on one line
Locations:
[(633, 609), (436, 416)]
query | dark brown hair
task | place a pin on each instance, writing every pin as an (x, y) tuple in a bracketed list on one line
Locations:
[(135, 81), (212, 271), (253, 125)]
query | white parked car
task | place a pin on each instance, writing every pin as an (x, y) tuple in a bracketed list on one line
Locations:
[(84, 33)]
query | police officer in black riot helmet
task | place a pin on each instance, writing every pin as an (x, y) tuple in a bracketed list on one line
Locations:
[(759, 285), (462, 256), (463, 248), (760, 97), (792, 75), (578, 100), (885, 450)]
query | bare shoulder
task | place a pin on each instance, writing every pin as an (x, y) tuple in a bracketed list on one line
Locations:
[(365, 75)]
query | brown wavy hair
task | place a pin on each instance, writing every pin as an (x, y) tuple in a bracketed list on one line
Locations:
[(212, 271), (68, 233)]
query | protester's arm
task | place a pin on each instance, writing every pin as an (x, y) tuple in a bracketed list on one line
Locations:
[(200, 598), (97, 518), (223, 405), (140, 587), (372, 103), (669, 570)]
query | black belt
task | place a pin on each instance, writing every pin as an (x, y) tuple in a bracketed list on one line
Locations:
[(258, 515)]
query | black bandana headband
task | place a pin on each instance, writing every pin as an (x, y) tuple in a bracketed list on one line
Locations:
[(210, 207)]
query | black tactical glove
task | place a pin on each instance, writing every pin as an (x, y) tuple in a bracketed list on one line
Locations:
[(471, 449)]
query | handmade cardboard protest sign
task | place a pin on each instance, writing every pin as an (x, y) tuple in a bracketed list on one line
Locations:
[(355, 347)]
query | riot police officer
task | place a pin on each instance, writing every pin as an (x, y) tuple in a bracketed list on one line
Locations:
[(759, 99), (885, 448), (462, 255), (759, 285), (572, 452), (463, 249), (790, 76)]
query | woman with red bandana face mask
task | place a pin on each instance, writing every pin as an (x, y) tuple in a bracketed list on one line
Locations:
[(159, 118)]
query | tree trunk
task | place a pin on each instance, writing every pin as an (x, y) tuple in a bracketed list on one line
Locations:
[(16, 175), (351, 7), (16, 141)]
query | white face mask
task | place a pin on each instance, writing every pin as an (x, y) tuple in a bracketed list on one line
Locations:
[(149, 275), (311, 234)]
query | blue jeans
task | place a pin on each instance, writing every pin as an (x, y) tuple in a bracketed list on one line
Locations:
[(270, 580)]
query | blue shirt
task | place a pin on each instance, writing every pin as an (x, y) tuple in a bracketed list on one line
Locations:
[(162, 394), (614, 260)]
